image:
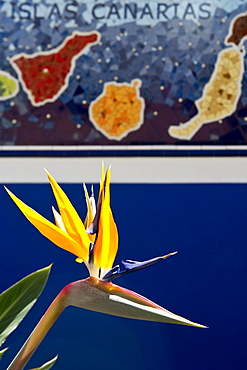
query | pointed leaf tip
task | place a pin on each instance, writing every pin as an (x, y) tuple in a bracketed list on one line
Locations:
[(169, 255), (47, 365), (2, 351), (8, 191), (47, 172)]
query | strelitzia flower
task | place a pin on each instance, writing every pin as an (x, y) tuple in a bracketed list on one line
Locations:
[(94, 242)]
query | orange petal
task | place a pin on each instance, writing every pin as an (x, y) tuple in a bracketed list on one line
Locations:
[(106, 243), (50, 231), (114, 241), (72, 222)]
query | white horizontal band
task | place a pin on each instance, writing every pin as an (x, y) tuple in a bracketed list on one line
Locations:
[(125, 169)]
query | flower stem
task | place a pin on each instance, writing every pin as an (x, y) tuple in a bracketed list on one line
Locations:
[(40, 331)]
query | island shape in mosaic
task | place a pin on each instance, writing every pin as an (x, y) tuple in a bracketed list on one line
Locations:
[(119, 110), (45, 75), (9, 86), (221, 94)]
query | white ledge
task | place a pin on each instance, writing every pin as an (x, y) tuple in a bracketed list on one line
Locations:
[(125, 169)]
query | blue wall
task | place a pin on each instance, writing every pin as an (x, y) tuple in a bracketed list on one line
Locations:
[(205, 282)]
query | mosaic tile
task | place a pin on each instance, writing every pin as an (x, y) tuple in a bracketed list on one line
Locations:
[(175, 53)]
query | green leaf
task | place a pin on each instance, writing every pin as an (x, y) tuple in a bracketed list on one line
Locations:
[(2, 352), (16, 301), (47, 365)]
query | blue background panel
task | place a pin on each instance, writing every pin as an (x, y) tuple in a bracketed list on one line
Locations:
[(205, 282)]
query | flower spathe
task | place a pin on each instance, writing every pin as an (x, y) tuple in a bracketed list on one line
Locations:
[(95, 242)]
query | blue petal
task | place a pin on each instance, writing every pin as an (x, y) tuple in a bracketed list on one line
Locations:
[(131, 266)]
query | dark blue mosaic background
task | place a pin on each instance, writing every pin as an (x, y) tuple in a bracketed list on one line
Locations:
[(172, 51)]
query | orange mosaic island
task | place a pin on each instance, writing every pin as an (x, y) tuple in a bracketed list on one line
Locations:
[(119, 110)]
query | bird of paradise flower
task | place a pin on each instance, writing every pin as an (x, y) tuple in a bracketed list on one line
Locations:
[(94, 242)]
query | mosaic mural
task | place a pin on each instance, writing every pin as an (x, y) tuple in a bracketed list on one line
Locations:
[(123, 72)]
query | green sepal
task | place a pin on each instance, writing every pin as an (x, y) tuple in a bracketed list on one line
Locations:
[(47, 365), (2, 351), (16, 301)]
